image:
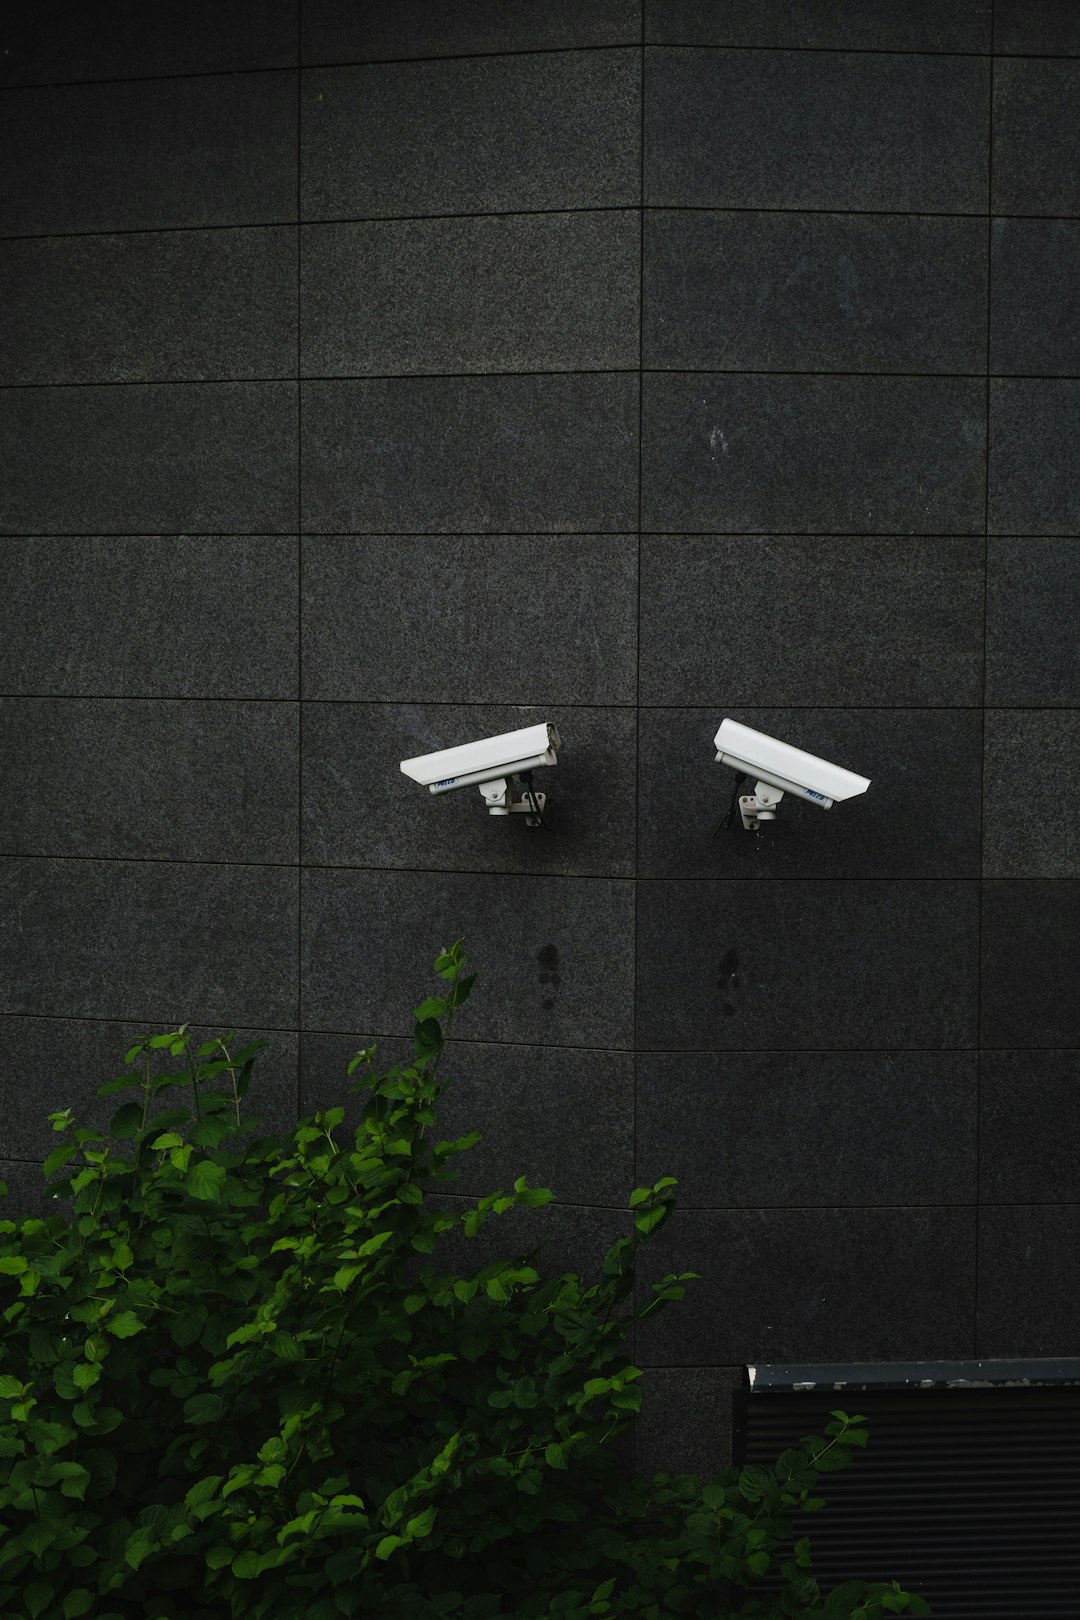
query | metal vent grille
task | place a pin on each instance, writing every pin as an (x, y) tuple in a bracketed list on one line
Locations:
[(968, 1495)]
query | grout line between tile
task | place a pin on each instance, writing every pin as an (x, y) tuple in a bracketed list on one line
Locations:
[(650, 1052), (567, 49), (672, 532), (623, 47), (626, 207), (600, 705), (299, 554), (982, 752), (637, 647), (503, 873), (353, 378), (684, 1209)]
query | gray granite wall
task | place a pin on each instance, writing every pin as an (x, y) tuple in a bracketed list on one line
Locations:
[(400, 373)]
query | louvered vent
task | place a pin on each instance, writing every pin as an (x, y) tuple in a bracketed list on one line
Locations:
[(969, 1491)]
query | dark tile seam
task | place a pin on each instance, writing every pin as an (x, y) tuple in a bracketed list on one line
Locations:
[(544, 533), (553, 1046), (299, 554), (634, 1444), (569, 371), (525, 213), (622, 46), (982, 751), (727, 1209), (599, 704), (496, 872)]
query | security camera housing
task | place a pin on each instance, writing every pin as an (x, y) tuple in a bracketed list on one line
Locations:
[(484, 761), (492, 764), (779, 767)]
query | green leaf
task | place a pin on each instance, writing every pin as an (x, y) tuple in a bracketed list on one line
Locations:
[(428, 1039), (73, 1478), (433, 1007), (421, 1524), (10, 1388), (243, 1080), (85, 1375), (205, 1180), (58, 1157), (123, 1082), (831, 1462), (126, 1121), (77, 1602), (38, 1538), (449, 962), (139, 1547), (204, 1491), (36, 1596), (124, 1326), (344, 1565), (758, 1563), (754, 1482), (531, 1197), (12, 1265), (204, 1408), (247, 1054), (187, 1328), (211, 1132), (388, 1545), (373, 1243), (284, 1346), (245, 1565), (791, 1462), (64, 1382), (461, 991), (555, 1456)]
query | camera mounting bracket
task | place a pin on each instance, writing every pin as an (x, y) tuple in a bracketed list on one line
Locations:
[(759, 806), (497, 796)]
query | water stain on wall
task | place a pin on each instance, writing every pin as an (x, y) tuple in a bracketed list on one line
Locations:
[(728, 982), (548, 958)]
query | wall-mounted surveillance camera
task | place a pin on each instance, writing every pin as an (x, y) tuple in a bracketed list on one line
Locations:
[(777, 768), (494, 764)]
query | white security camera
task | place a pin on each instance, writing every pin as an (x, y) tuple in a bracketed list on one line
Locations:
[(492, 764), (778, 768)]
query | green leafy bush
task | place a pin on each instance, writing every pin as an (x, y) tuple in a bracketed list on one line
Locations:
[(244, 1376)]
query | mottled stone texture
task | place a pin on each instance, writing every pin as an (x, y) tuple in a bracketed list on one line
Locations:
[(378, 377)]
